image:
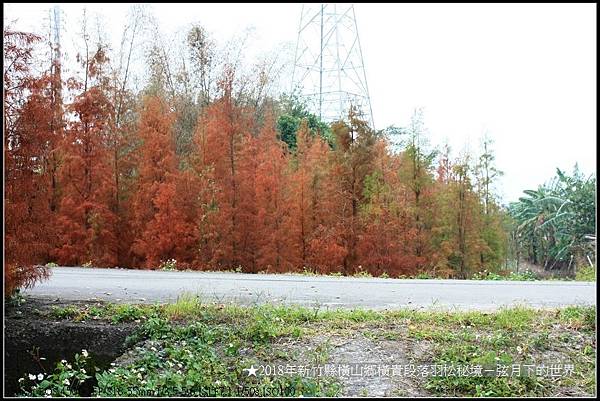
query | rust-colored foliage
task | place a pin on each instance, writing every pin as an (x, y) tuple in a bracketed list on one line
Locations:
[(163, 228), (460, 225), (271, 235), (86, 222), (227, 150), (354, 158), (116, 181), (388, 235), (28, 143), (312, 203)]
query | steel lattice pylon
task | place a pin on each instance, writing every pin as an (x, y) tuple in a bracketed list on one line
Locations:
[(329, 72)]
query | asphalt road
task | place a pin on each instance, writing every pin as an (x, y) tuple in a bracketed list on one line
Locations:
[(143, 286)]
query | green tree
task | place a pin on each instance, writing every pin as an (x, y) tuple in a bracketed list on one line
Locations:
[(288, 123), (486, 176), (416, 173)]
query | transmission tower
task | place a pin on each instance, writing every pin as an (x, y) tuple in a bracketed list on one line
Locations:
[(55, 28), (55, 56), (329, 72)]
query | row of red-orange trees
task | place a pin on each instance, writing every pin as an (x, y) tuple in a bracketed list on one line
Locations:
[(98, 180)]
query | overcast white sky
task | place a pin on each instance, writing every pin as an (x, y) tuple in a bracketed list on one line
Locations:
[(526, 74)]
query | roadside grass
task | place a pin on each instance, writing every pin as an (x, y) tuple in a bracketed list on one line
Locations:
[(67, 312), (187, 305), (195, 358), (512, 339), (586, 273), (190, 346)]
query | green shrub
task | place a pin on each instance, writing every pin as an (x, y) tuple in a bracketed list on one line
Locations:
[(68, 312), (126, 312)]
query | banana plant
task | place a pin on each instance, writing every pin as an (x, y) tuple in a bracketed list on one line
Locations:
[(553, 221)]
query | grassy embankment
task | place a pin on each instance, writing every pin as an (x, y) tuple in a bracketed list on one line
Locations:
[(191, 347)]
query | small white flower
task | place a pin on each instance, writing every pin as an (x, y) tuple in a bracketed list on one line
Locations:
[(66, 382), (31, 377), (112, 364), (139, 375), (112, 370), (153, 349), (41, 376), (218, 383), (143, 382), (180, 365), (179, 372), (84, 353), (142, 369), (48, 391), (82, 370), (63, 361)]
